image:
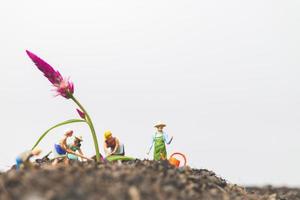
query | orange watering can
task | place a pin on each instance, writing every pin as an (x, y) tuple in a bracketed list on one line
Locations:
[(175, 162)]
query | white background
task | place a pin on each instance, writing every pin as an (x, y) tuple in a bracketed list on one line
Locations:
[(223, 75)]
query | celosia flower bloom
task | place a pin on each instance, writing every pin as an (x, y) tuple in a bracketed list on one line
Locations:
[(63, 86)]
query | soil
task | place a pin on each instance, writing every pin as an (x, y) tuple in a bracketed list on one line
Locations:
[(281, 193), (134, 180)]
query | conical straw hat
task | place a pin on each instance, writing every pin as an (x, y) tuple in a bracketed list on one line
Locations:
[(159, 124)]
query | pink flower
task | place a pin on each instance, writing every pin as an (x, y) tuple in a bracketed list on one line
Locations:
[(81, 114), (63, 86)]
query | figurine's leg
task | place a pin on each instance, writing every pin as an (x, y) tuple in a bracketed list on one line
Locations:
[(66, 161), (120, 151), (55, 162), (160, 151), (123, 152)]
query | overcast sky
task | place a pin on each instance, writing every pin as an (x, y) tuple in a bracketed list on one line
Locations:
[(223, 76)]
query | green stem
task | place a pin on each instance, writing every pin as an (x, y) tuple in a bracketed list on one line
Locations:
[(90, 123), (55, 126)]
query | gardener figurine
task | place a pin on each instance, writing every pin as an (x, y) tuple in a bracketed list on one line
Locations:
[(23, 160), (159, 140), (75, 146), (112, 145), (61, 149)]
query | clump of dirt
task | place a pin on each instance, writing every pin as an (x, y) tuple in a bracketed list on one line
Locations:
[(134, 180)]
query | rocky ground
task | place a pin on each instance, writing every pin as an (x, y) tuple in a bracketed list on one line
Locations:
[(134, 180)]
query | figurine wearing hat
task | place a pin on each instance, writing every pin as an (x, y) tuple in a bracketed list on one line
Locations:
[(75, 146), (159, 140)]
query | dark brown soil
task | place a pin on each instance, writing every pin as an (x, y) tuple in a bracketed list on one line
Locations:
[(135, 180)]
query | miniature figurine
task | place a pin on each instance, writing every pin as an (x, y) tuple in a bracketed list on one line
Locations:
[(61, 149), (112, 145), (159, 140), (75, 146), (23, 160)]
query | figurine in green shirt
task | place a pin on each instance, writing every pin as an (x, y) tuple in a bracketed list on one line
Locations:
[(75, 146)]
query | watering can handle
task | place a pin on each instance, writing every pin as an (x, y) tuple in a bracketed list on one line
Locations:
[(177, 153)]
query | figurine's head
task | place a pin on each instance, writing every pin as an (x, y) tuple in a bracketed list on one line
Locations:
[(78, 140), (36, 151), (69, 133), (160, 126), (107, 134)]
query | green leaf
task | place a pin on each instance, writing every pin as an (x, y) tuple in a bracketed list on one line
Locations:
[(117, 157)]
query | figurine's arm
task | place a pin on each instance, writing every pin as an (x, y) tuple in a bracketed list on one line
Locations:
[(80, 152), (106, 150), (27, 158), (151, 145), (64, 145), (69, 151), (63, 142), (116, 146), (167, 139)]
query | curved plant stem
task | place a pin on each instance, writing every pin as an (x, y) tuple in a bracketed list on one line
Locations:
[(55, 126), (90, 123)]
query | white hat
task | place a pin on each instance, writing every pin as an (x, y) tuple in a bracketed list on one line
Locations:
[(160, 124)]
